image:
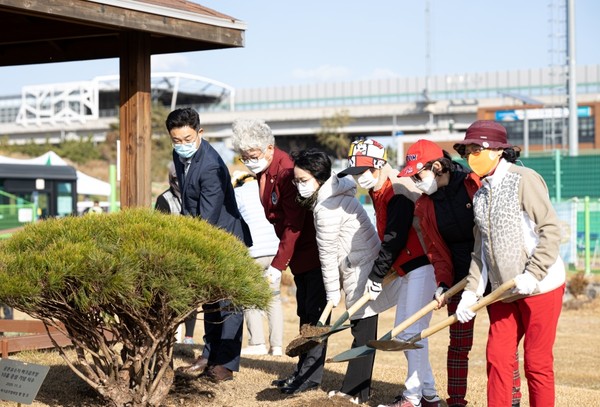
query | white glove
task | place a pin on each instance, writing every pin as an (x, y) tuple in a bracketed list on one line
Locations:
[(439, 292), (273, 275), (525, 284), (439, 296), (373, 288), (467, 300), (334, 296)]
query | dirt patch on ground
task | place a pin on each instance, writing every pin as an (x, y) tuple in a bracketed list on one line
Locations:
[(583, 305), (302, 343)]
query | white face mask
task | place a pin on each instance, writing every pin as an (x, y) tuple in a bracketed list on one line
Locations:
[(258, 166), (306, 189), (367, 180), (427, 185)]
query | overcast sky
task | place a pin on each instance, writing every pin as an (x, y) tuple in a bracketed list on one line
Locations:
[(296, 42)]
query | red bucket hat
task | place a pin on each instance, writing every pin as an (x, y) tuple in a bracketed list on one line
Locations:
[(418, 155), (485, 133)]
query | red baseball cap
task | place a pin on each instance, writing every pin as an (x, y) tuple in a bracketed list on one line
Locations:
[(418, 155)]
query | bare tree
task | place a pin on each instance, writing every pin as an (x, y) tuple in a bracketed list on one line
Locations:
[(333, 134)]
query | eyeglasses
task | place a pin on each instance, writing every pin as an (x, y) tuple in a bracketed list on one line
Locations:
[(474, 149), (250, 160), (247, 161), (297, 181), (417, 176)]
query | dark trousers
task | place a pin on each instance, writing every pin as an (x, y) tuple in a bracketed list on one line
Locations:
[(222, 335), (310, 298), (357, 381), (8, 312), (190, 324)]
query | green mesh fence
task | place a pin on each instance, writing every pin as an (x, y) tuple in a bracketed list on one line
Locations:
[(577, 176), (14, 212), (570, 180)]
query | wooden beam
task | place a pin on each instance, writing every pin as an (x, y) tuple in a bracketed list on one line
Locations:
[(38, 340), (32, 326), (23, 29), (14, 344), (91, 13), (73, 50), (135, 119)]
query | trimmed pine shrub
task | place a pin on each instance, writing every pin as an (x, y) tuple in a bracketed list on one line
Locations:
[(119, 285)]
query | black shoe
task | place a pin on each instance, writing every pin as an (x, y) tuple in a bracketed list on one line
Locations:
[(296, 387), (283, 382), (516, 404)]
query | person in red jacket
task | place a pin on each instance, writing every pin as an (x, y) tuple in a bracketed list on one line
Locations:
[(401, 250), (294, 227), (445, 213)]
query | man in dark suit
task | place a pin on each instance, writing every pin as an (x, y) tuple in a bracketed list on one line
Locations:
[(206, 192)]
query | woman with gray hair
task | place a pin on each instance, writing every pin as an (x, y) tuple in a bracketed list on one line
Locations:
[(294, 227)]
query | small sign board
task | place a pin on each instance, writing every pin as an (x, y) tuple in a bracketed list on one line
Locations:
[(20, 381)]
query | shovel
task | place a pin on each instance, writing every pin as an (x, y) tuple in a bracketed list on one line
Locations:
[(337, 325), (302, 343), (365, 350), (411, 343)]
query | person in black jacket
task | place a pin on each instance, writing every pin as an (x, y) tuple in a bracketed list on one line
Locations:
[(206, 192)]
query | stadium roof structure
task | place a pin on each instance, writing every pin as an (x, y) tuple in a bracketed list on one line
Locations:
[(35, 32), (81, 101)]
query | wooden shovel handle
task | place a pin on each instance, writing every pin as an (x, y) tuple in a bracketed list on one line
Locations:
[(325, 314), (389, 277), (485, 301), (455, 289)]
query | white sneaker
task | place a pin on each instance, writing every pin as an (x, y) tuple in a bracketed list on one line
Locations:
[(336, 393), (276, 351), (255, 350)]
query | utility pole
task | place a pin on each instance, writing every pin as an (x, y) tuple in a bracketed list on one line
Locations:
[(572, 81), (427, 46)]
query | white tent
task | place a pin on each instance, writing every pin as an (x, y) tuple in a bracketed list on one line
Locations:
[(86, 185)]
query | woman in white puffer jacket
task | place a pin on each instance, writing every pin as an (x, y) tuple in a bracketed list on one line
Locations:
[(348, 245)]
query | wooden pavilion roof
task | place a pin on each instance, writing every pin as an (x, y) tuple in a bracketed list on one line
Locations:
[(36, 32), (43, 31)]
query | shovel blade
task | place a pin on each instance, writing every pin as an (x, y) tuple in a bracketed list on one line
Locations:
[(354, 353), (393, 345)]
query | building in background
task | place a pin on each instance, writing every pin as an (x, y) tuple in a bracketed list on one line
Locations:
[(440, 106)]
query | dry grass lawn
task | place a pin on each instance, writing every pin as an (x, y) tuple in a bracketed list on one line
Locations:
[(577, 364)]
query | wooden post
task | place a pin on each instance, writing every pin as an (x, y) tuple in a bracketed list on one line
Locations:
[(135, 119)]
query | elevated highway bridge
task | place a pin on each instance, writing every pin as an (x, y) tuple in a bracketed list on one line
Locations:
[(442, 109)]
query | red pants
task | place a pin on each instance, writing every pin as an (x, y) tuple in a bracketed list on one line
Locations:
[(457, 365), (536, 318)]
